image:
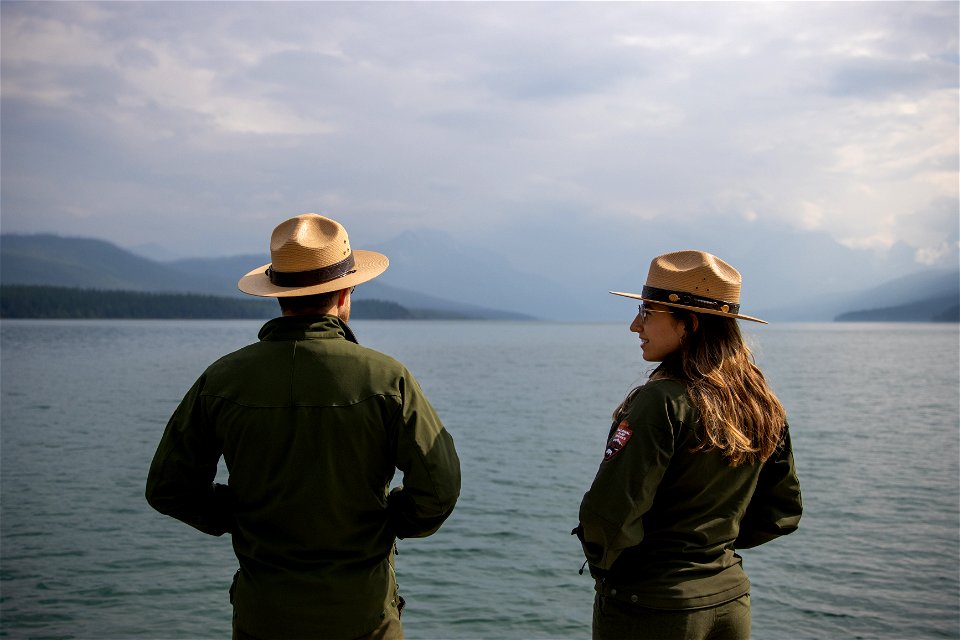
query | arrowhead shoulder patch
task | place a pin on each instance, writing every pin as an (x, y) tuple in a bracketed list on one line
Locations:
[(619, 439)]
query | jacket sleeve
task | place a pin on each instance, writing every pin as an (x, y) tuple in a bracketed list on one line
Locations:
[(776, 505), (611, 512), (431, 469), (180, 481)]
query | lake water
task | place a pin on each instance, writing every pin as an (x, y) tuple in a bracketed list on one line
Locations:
[(874, 418)]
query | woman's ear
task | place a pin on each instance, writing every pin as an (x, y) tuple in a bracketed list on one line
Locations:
[(694, 322)]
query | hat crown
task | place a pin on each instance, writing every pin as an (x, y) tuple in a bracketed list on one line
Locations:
[(697, 273), (308, 241), (311, 255)]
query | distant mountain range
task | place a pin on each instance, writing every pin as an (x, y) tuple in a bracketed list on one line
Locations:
[(419, 257), (920, 311), (932, 296), (86, 263)]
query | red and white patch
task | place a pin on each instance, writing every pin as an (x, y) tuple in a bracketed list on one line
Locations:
[(618, 440)]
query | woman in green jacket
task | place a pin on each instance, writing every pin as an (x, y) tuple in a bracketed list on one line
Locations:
[(698, 465)]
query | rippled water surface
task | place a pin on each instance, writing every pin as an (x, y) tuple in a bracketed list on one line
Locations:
[(874, 418)]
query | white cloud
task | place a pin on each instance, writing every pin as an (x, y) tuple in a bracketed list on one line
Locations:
[(937, 254)]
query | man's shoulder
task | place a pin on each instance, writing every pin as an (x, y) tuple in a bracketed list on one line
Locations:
[(276, 353), (247, 352), (266, 349), (378, 358)]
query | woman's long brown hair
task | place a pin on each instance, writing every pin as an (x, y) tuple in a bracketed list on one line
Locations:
[(739, 413)]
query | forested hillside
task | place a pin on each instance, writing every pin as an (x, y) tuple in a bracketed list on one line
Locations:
[(25, 301)]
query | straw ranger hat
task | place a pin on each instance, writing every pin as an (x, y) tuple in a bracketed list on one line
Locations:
[(311, 254), (693, 280)]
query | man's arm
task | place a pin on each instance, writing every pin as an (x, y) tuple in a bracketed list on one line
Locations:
[(431, 469), (180, 482)]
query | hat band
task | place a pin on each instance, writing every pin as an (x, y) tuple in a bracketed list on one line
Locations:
[(689, 300), (314, 276)]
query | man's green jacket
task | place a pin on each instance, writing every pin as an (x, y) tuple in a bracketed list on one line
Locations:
[(312, 427)]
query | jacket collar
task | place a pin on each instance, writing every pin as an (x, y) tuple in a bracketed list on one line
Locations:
[(306, 327)]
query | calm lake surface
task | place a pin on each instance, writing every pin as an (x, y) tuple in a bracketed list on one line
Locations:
[(874, 418)]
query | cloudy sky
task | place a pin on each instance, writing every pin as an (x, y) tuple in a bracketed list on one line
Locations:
[(196, 127)]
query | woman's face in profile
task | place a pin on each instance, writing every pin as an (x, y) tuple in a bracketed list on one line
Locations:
[(660, 333)]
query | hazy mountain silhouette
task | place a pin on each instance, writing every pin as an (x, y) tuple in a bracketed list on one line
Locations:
[(51, 260), (430, 270), (46, 259), (922, 297)]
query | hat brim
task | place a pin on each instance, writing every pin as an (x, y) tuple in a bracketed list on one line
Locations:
[(637, 296), (367, 266)]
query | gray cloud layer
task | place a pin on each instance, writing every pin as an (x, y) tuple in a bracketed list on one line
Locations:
[(198, 126)]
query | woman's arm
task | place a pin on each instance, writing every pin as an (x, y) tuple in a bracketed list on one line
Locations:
[(776, 505)]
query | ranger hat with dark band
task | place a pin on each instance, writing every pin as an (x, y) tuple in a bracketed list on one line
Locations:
[(311, 254), (693, 280)]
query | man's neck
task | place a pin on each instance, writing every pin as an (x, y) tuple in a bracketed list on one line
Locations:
[(332, 311)]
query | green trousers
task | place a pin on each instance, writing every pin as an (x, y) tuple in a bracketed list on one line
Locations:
[(618, 620), (389, 629)]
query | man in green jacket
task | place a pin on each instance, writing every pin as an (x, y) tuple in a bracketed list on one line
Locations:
[(312, 427)]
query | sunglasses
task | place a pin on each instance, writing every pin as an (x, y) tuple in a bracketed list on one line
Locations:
[(644, 312)]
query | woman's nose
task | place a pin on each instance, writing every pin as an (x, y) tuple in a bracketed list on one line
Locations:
[(636, 324)]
